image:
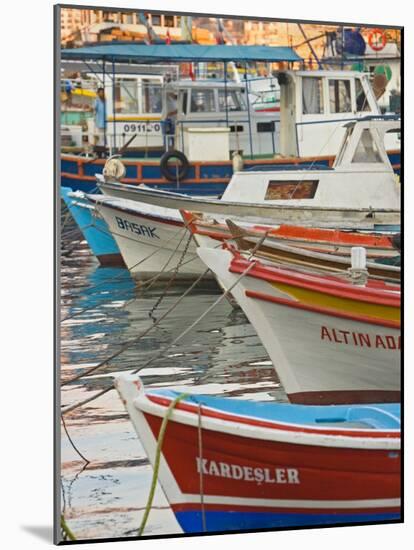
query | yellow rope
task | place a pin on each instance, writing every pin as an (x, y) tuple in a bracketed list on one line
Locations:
[(65, 528), (157, 460)]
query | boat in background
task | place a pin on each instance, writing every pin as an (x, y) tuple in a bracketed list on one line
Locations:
[(308, 129), (153, 241), (322, 249), (359, 192), (93, 228), (232, 464), (285, 255), (149, 231), (330, 341), (317, 239)]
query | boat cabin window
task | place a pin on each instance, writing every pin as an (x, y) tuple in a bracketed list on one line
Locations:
[(202, 101), (184, 99), (367, 150), (151, 96), (312, 95), (234, 100), (126, 95), (287, 190), (340, 96), (361, 98)]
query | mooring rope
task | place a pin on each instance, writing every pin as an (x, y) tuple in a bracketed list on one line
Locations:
[(72, 443), (162, 352), (115, 293), (200, 454), (170, 281), (140, 335), (141, 285), (65, 220), (156, 466), (67, 533)]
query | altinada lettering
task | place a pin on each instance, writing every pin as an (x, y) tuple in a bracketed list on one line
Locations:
[(247, 473), (360, 339), (142, 230)]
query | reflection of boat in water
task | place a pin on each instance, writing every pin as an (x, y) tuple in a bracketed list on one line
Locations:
[(232, 464)]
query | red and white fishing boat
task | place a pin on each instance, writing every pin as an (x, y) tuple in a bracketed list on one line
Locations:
[(232, 464), (360, 190), (330, 341), (323, 250), (315, 239)]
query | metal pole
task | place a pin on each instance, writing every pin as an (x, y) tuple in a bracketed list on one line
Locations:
[(104, 86), (248, 109), (225, 93), (113, 103)]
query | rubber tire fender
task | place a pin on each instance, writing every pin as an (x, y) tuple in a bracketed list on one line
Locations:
[(183, 170)]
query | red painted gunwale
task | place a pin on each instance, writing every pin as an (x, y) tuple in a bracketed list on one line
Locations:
[(322, 310), (378, 293), (220, 415), (322, 236)]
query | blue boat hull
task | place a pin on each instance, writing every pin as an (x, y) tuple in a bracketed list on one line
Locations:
[(95, 231), (191, 521)]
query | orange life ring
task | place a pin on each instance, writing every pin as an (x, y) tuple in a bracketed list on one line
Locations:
[(377, 39)]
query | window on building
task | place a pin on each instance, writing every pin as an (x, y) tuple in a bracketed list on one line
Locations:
[(151, 96), (169, 21), (202, 101), (361, 98), (265, 126), (126, 95), (367, 150), (234, 100), (287, 190), (312, 95), (156, 20), (340, 96)]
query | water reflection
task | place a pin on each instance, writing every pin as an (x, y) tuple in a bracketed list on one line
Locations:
[(103, 310)]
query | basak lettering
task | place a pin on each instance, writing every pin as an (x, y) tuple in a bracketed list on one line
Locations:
[(360, 339), (142, 230), (247, 473)]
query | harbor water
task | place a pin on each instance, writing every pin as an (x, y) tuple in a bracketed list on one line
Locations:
[(101, 310)]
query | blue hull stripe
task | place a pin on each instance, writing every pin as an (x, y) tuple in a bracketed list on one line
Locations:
[(95, 230), (191, 521)]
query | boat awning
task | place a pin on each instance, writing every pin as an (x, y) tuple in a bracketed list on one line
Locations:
[(144, 53)]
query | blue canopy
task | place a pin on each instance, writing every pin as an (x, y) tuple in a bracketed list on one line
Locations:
[(154, 53)]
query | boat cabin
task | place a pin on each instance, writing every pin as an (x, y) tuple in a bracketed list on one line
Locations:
[(314, 105), (220, 104), (361, 173), (156, 112)]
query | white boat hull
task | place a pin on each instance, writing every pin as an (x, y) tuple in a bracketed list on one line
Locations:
[(151, 244), (318, 358)]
